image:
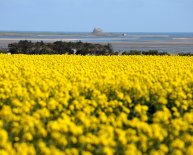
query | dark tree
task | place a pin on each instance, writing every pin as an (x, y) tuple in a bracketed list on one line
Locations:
[(59, 47)]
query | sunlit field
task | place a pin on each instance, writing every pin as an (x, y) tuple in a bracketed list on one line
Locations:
[(61, 104)]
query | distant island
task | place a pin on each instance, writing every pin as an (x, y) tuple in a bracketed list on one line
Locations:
[(99, 32)]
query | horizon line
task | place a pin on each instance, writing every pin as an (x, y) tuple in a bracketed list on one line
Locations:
[(53, 31)]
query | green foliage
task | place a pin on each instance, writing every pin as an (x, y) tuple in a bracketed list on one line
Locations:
[(150, 52), (78, 48), (59, 47), (3, 51), (132, 52), (185, 54)]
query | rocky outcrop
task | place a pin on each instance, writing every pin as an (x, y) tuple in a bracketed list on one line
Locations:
[(97, 31)]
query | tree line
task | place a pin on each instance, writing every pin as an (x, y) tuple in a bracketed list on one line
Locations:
[(149, 52), (79, 48), (153, 52), (59, 47)]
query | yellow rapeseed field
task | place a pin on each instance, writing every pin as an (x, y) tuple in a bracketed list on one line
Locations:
[(60, 104)]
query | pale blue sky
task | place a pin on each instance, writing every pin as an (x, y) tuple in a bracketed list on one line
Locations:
[(84, 15)]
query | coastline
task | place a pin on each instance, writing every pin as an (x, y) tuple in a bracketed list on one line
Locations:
[(173, 46)]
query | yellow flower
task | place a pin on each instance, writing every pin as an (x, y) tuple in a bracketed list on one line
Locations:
[(67, 104)]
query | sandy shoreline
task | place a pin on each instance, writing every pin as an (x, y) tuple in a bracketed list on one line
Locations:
[(151, 44), (159, 45), (186, 42)]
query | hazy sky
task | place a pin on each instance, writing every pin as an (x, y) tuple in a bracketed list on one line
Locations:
[(84, 15)]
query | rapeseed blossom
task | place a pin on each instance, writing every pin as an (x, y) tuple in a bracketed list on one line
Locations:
[(61, 104)]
